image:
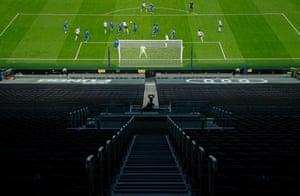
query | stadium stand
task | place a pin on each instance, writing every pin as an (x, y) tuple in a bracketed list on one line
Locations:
[(213, 139)]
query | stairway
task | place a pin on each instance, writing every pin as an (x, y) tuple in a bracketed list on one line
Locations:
[(150, 89), (150, 168)]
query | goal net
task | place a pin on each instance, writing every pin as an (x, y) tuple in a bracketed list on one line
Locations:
[(152, 53)]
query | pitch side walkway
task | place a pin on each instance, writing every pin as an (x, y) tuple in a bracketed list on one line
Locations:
[(150, 83), (221, 78), (150, 90), (209, 78)]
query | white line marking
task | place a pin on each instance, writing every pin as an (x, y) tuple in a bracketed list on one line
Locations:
[(194, 14), (187, 14), (60, 14), (248, 59), (99, 42), (187, 59), (137, 59), (267, 59), (221, 47), (34, 59), (290, 23), (205, 42), (11, 21), (78, 50)]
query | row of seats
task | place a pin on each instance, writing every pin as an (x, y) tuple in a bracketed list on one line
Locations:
[(229, 94), (51, 164), (244, 162), (40, 105), (38, 154)]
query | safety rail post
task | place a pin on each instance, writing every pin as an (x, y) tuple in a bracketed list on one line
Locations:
[(118, 145), (188, 154), (200, 165), (114, 153), (193, 162), (182, 148), (90, 168), (178, 138), (108, 161), (101, 171), (212, 170), (122, 142)]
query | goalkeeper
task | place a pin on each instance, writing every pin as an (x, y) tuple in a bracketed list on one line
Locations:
[(143, 51)]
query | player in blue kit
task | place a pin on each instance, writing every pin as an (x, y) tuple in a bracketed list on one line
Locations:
[(134, 28), (65, 26), (116, 44), (111, 24), (151, 8), (155, 30), (86, 35), (120, 27), (173, 33)]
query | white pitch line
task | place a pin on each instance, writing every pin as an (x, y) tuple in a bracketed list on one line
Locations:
[(221, 47), (91, 15), (99, 42), (78, 50), (266, 59), (151, 66), (238, 14), (150, 15), (11, 21), (51, 59), (205, 42), (187, 59), (142, 59), (219, 59), (243, 59), (290, 23)]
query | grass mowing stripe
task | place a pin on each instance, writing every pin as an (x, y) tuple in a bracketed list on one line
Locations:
[(279, 47), (10, 41), (256, 38), (41, 40)]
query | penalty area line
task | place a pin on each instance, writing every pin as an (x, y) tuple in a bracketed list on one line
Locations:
[(290, 23), (78, 50), (223, 53), (8, 25)]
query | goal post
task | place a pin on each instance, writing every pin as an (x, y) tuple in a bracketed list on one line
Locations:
[(150, 53)]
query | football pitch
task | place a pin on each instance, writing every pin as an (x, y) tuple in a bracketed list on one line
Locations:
[(262, 34)]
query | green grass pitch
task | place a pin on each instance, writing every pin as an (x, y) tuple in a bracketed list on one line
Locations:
[(263, 34)]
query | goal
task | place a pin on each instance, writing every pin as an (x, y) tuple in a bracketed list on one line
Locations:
[(150, 53)]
